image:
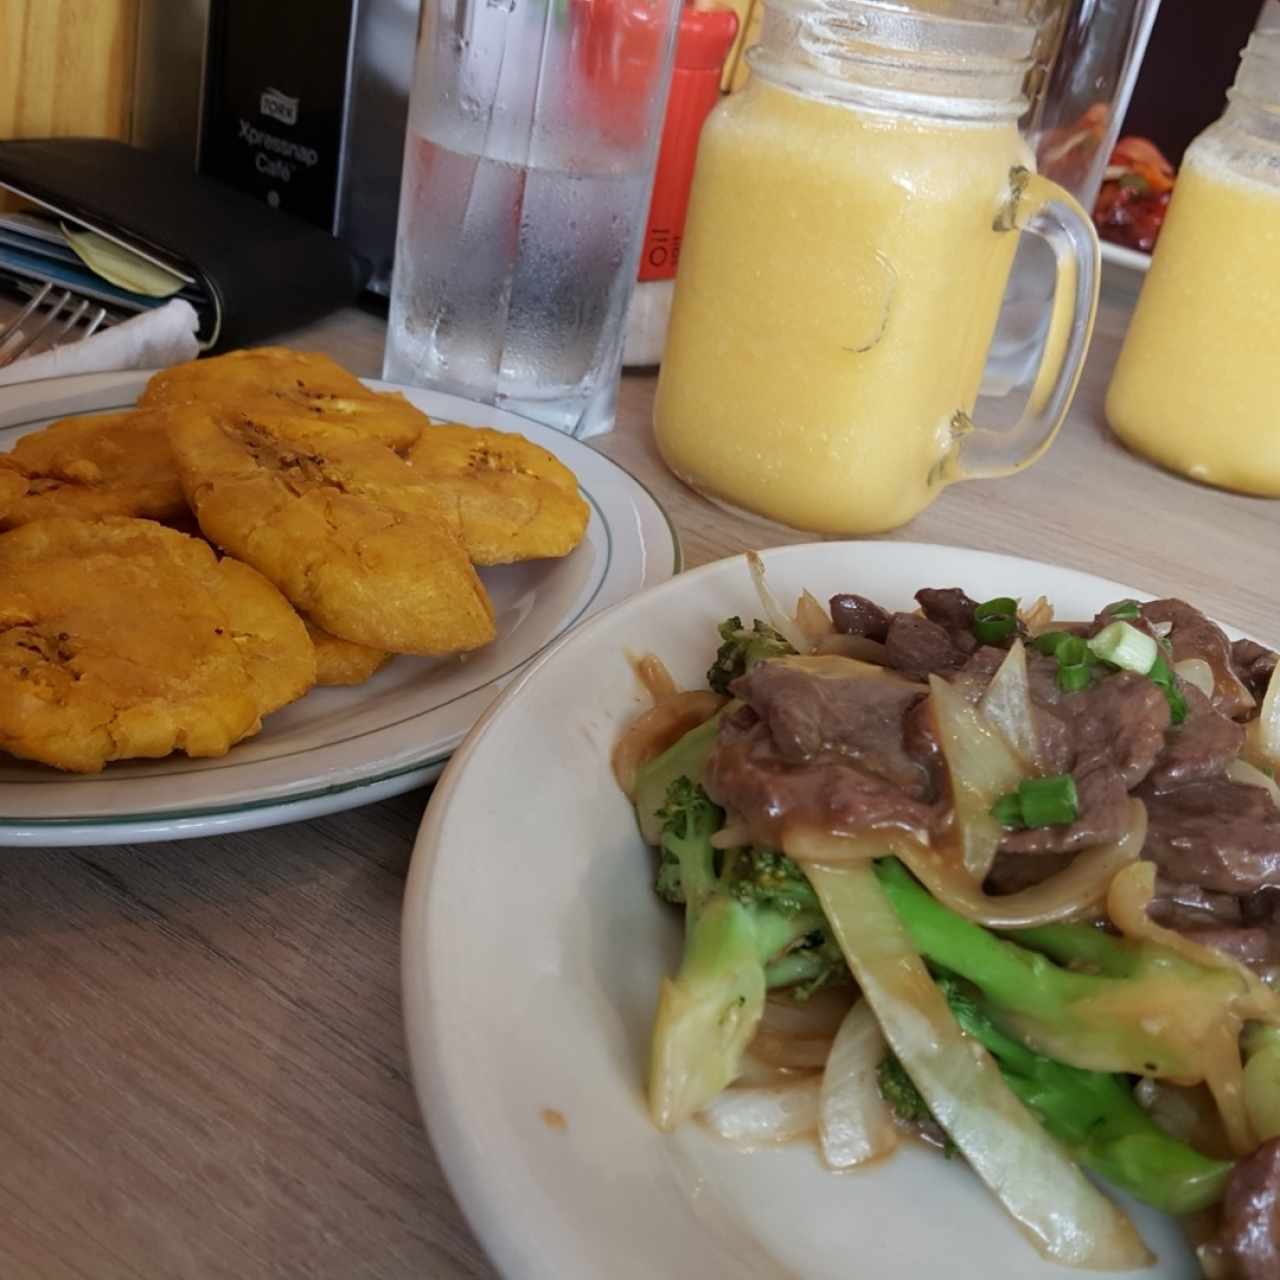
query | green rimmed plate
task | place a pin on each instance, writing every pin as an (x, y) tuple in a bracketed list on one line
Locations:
[(342, 747)]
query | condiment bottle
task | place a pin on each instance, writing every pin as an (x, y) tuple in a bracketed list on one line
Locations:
[(854, 215), (702, 43), (1197, 385)]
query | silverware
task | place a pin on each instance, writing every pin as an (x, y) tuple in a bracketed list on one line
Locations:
[(64, 310)]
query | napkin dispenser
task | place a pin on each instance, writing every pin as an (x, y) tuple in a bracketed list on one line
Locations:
[(305, 107), (257, 272)]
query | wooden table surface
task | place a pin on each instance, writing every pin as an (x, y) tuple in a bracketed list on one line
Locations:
[(202, 1069)]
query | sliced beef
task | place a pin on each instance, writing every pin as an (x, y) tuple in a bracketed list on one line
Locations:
[(1253, 664), (1192, 635), (1188, 906), (1253, 946), (809, 713), (1107, 736), (814, 748), (916, 647), (1221, 835), (1248, 1242), (1013, 872), (1200, 747), (1104, 817), (747, 774), (1121, 722), (858, 616), (953, 611)]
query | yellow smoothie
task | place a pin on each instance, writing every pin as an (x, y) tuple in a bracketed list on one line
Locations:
[(1197, 386), (840, 279)]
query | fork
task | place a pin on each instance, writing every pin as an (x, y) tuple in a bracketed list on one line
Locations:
[(65, 310)]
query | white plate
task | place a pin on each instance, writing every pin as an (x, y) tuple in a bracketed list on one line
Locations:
[(342, 747), (532, 949)]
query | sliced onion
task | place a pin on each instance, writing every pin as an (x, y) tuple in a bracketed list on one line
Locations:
[(1262, 1089), (733, 835), (982, 766), (1242, 771), (765, 1116), (855, 1125), (854, 647), (1076, 892), (820, 1015), (655, 677), (773, 611), (813, 620), (1262, 737), (649, 735), (1188, 1114), (1038, 617), (791, 1053), (1006, 705), (1198, 672), (1216, 1047), (1068, 1219)]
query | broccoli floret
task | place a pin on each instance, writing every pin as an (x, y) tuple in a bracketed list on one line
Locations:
[(900, 1092), (744, 911), (813, 963), (686, 758), (666, 883), (770, 879), (907, 1104), (741, 649)]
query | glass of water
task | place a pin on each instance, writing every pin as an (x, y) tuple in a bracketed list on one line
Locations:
[(533, 133)]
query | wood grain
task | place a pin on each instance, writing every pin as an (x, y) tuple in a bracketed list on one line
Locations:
[(66, 67), (202, 1072)]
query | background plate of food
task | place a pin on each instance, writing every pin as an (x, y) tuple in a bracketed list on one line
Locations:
[(274, 592), (574, 1070)]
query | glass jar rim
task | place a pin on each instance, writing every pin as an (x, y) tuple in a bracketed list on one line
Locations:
[(971, 64), (1257, 81)]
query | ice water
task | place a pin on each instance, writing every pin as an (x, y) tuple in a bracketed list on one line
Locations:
[(512, 280)]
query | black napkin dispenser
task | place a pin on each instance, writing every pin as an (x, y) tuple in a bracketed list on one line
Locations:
[(260, 271)]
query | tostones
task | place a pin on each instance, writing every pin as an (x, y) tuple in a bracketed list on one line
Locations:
[(121, 638), (112, 464), (341, 661), (347, 530), (13, 486), (514, 500), (289, 380)]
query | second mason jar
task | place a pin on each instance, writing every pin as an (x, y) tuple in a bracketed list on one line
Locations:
[(1197, 385), (854, 215)]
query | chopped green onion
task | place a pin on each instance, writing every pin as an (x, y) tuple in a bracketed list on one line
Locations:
[(1126, 611), (1072, 652), (1048, 641), (1126, 647), (1039, 802), (1007, 811), (995, 621), (1073, 655), (1073, 678), (1163, 676)]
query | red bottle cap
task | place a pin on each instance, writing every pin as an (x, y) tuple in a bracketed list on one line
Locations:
[(702, 45)]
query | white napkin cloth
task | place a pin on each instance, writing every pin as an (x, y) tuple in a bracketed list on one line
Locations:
[(151, 340)]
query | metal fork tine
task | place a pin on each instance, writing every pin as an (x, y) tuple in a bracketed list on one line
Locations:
[(15, 340), (70, 322), (55, 310), (92, 327)]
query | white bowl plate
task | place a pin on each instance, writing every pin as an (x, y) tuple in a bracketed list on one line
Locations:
[(533, 945)]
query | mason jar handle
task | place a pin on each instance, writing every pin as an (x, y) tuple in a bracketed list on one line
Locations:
[(1043, 209)]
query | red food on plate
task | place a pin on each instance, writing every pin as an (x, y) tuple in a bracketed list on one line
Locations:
[(1136, 188)]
